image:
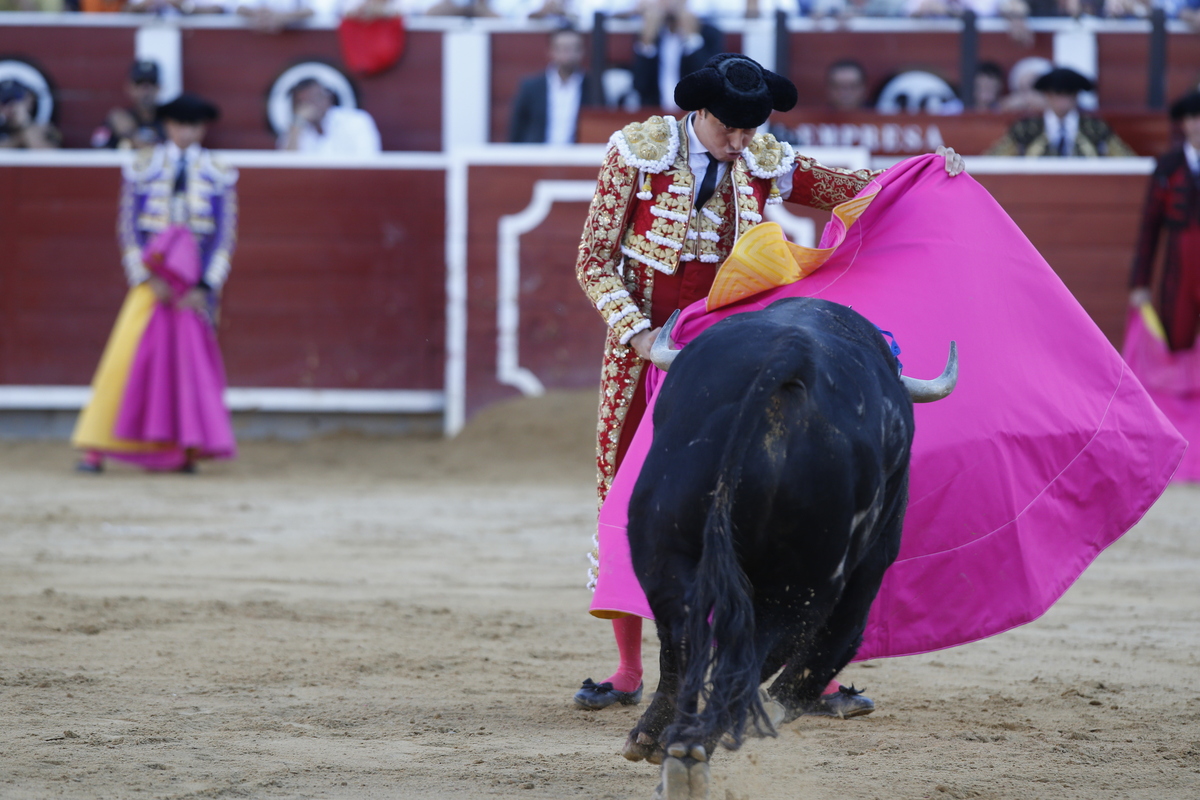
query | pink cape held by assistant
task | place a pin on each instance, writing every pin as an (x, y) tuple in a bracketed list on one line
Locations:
[(158, 392), (1172, 379), (1046, 453)]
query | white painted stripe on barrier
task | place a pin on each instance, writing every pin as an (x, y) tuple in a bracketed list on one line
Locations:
[(163, 44), (455, 380), (508, 279), (1009, 165), (316, 401), (254, 159)]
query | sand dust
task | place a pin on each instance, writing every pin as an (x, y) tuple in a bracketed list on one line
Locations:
[(400, 618)]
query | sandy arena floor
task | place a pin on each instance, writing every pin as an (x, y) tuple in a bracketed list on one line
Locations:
[(399, 618)]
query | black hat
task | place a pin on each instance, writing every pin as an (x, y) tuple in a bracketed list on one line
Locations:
[(143, 72), (736, 90), (1186, 106), (1061, 80), (11, 90), (189, 108)]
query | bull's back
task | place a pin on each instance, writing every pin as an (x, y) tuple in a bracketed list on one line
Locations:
[(799, 407)]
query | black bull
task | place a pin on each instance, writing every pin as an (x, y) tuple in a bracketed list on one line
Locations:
[(768, 509)]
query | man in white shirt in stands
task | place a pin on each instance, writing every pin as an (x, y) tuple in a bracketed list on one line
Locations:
[(546, 109), (319, 126)]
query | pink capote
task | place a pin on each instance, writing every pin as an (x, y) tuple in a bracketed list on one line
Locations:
[(1048, 450), (177, 380), (1171, 379)]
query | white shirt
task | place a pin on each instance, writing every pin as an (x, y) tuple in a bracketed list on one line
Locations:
[(698, 164), (346, 132), (562, 106), (1193, 158), (179, 208), (1057, 128), (698, 160)]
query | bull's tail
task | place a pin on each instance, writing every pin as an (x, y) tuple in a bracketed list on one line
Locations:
[(721, 670)]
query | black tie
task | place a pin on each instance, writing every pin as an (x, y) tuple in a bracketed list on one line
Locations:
[(709, 184), (181, 176)]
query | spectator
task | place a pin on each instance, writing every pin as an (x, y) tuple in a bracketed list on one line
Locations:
[(1111, 9), (102, 6), (988, 86), (1061, 130), (45, 6), (717, 10), (848, 9), (136, 125), (673, 43), (319, 126), (1021, 94), (274, 16), (369, 9), (846, 86), (577, 12), (1189, 13), (173, 7), (547, 105), (1015, 11), (19, 128), (461, 8)]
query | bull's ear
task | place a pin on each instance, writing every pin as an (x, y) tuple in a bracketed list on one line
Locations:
[(939, 387), (663, 352)]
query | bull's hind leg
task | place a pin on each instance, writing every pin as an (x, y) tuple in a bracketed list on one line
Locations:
[(839, 638), (644, 740)]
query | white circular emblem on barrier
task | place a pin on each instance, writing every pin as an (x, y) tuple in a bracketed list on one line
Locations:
[(917, 90), (32, 79), (279, 101)]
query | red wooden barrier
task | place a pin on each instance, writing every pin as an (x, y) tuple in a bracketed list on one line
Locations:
[(338, 279)]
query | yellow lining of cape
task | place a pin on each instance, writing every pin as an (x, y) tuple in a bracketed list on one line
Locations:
[(763, 258), (94, 428)]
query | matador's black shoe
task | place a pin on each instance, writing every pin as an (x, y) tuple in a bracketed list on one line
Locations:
[(595, 696), (846, 702)]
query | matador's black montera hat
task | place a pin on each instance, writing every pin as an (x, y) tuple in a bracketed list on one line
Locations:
[(736, 90), (1186, 106), (189, 109), (1062, 80)]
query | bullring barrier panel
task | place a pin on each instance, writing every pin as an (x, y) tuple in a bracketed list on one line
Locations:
[(425, 283)]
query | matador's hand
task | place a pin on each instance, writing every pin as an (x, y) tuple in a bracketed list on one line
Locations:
[(954, 162), (643, 341), (162, 291)]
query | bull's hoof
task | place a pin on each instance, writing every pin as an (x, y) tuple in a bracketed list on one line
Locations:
[(777, 714), (685, 774), (641, 746)]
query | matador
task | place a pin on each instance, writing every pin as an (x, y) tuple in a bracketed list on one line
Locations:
[(673, 197)]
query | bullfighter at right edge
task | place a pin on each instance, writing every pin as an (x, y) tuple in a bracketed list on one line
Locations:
[(673, 198)]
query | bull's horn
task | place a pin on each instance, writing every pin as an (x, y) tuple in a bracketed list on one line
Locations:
[(663, 351), (936, 389)]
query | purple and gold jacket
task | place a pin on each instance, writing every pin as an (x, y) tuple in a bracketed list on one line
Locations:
[(207, 206)]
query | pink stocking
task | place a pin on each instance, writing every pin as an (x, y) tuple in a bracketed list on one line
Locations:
[(628, 632)]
